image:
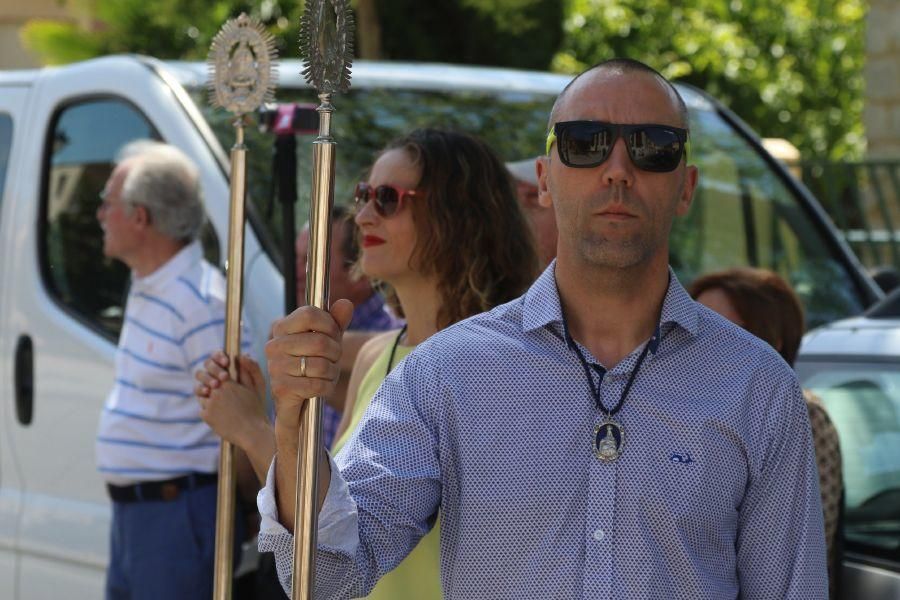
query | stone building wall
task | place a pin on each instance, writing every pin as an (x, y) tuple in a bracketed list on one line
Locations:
[(13, 15), (882, 112), (879, 180)]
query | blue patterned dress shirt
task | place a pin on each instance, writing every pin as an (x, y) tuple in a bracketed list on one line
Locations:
[(491, 421)]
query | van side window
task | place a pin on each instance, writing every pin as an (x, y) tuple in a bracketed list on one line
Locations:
[(5, 144), (82, 145), (84, 140)]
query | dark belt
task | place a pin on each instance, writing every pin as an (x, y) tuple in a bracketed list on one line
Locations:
[(167, 490)]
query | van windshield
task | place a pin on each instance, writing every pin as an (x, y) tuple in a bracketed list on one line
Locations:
[(742, 214)]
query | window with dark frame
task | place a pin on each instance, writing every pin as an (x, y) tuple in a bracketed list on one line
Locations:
[(82, 146), (863, 401)]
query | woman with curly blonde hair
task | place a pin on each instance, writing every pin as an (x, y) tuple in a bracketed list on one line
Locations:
[(440, 229)]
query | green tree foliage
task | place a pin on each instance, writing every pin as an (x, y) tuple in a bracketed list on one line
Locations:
[(790, 68), (511, 33), (177, 29), (491, 32)]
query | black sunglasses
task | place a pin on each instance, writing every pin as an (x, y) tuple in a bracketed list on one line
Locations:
[(388, 198), (585, 144)]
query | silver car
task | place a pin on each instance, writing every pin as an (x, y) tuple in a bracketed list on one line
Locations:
[(853, 365)]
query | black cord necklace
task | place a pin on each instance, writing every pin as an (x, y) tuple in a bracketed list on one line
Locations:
[(608, 439), (394, 351)]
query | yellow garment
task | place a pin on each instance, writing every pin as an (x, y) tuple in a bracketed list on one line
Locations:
[(418, 577)]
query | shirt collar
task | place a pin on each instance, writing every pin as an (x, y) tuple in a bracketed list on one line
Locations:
[(183, 260), (542, 306)]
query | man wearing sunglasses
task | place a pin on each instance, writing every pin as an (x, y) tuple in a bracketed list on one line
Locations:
[(603, 436)]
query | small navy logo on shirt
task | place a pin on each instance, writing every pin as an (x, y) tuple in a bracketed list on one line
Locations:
[(684, 458)]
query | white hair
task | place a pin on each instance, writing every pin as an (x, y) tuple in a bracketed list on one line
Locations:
[(163, 180)]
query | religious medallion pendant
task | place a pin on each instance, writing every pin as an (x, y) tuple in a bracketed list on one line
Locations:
[(609, 439)]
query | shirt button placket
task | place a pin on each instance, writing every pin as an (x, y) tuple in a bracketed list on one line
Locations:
[(599, 558)]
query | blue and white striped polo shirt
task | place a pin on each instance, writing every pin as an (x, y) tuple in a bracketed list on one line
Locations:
[(150, 427)]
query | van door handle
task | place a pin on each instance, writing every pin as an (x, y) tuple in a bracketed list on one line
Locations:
[(24, 380)]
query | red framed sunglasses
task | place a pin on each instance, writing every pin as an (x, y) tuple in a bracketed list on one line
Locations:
[(388, 198)]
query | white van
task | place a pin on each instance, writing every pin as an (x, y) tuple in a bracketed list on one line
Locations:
[(61, 301)]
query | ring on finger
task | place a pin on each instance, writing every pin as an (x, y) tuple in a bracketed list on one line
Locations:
[(302, 366)]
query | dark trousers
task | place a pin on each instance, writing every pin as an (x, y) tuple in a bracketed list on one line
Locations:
[(165, 548)]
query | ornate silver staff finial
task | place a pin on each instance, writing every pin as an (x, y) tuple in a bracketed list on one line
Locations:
[(242, 65), (326, 44), (242, 76)]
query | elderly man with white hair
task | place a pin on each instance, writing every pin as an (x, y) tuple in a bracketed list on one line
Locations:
[(158, 457)]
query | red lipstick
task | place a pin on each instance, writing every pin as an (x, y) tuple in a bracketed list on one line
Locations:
[(371, 240)]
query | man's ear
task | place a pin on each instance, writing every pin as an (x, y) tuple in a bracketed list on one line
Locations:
[(691, 176), (542, 165), (141, 215)]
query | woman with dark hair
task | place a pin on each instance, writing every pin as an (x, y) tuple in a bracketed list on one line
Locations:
[(441, 231), (758, 300), (764, 304), (441, 237)]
